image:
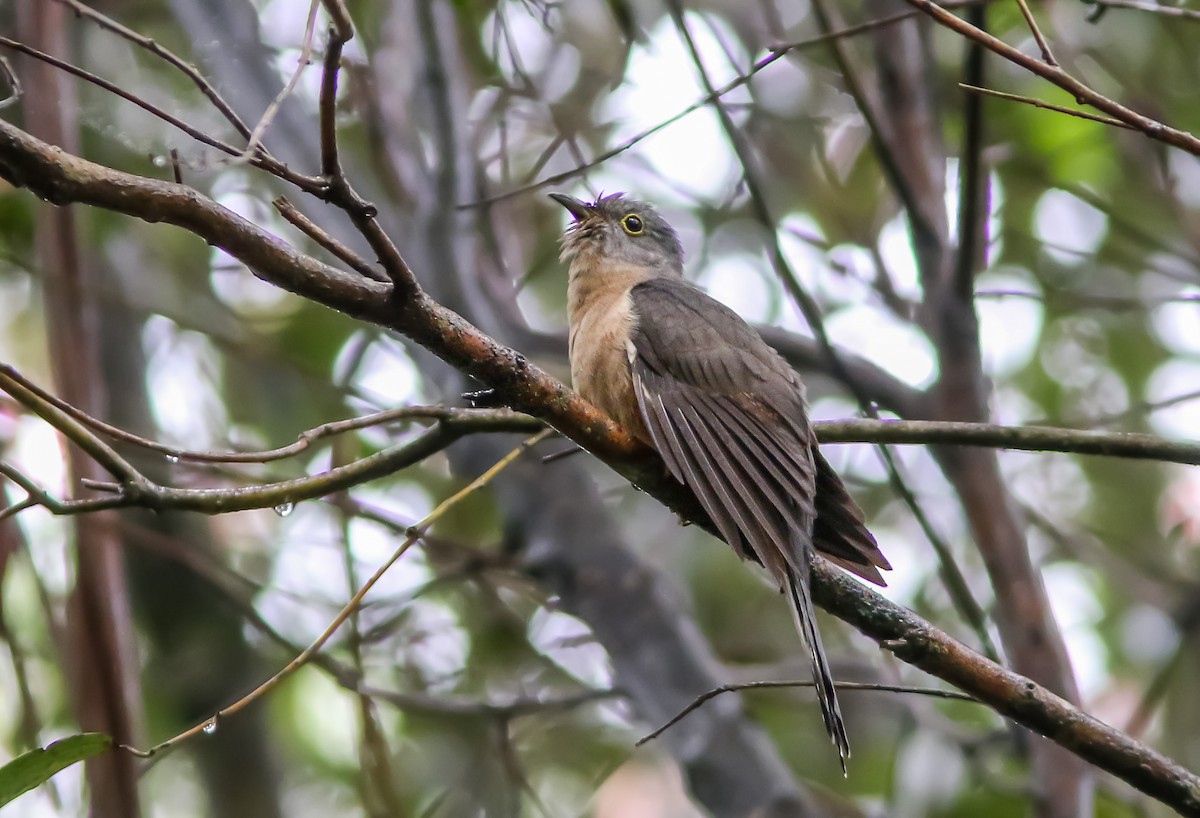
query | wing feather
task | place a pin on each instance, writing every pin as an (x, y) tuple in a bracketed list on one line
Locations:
[(763, 494), (660, 431), (728, 417), (694, 475), (758, 520), (786, 470)]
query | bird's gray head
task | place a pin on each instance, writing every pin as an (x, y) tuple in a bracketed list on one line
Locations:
[(618, 230)]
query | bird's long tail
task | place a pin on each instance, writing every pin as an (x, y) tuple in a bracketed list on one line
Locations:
[(806, 624)]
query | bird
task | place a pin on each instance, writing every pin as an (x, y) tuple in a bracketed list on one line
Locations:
[(686, 375)]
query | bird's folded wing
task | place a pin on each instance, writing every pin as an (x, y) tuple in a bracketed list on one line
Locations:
[(727, 415), (705, 384)]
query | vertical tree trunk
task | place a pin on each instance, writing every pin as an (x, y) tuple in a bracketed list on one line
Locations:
[(103, 672)]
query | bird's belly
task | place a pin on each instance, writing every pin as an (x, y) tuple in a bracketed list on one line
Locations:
[(600, 368)]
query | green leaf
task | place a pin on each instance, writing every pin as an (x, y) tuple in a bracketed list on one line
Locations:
[(34, 768)]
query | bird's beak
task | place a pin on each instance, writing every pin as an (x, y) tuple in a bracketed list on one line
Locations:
[(577, 208)]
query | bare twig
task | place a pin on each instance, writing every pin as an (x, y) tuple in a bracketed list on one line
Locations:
[(777, 53), (1084, 94), (494, 420), (11, 83), (421, 703), (254, 141), (339, 34), (704, 698), (338, 188), (40, 497), (415, 533), (339, 250), (1047, 55), (1049, 106), (1081, 299), (280, 495), (1154, 8), (187, 69), (262, 160), (98, 450)]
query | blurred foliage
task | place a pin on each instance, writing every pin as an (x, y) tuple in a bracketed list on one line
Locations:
[(1098, 228)]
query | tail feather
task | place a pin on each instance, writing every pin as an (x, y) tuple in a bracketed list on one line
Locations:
[(806, 624), (839, 532)]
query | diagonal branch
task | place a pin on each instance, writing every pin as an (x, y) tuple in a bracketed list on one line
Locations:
[(916, 642), (1082, 93)]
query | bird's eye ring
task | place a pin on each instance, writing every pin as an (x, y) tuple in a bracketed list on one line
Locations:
[(633, 224)]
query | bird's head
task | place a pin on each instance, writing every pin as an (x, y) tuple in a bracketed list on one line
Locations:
[(618, 230)]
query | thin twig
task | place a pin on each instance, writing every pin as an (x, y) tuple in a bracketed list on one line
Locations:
[(112, 88), (262, 160), (1037, 33), (41, 497), (281, 495), (1154, 8), (73, 429), (704, 698), (417, 702), (1081, 299), (339, 191), (1049, 106), (1085, 95), (211, 724), (1021, 438), (11, 82), (340, 32), (463, 419), (187, 69), (339, 250), (777, 53), (254, 142), (922, 221)]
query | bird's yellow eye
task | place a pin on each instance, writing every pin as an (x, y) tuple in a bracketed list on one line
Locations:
[(633, 224)]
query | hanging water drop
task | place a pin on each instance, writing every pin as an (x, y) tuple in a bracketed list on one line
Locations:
[(210, 726), (284, 509), (172, 458)]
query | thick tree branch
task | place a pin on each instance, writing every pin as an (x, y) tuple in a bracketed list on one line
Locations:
[(1024, 701), (62, 178)]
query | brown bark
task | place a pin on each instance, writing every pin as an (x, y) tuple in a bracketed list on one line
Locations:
[(103, 671)]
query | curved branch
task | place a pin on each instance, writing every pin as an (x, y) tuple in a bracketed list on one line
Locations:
[(147, 494), (62, 178)]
